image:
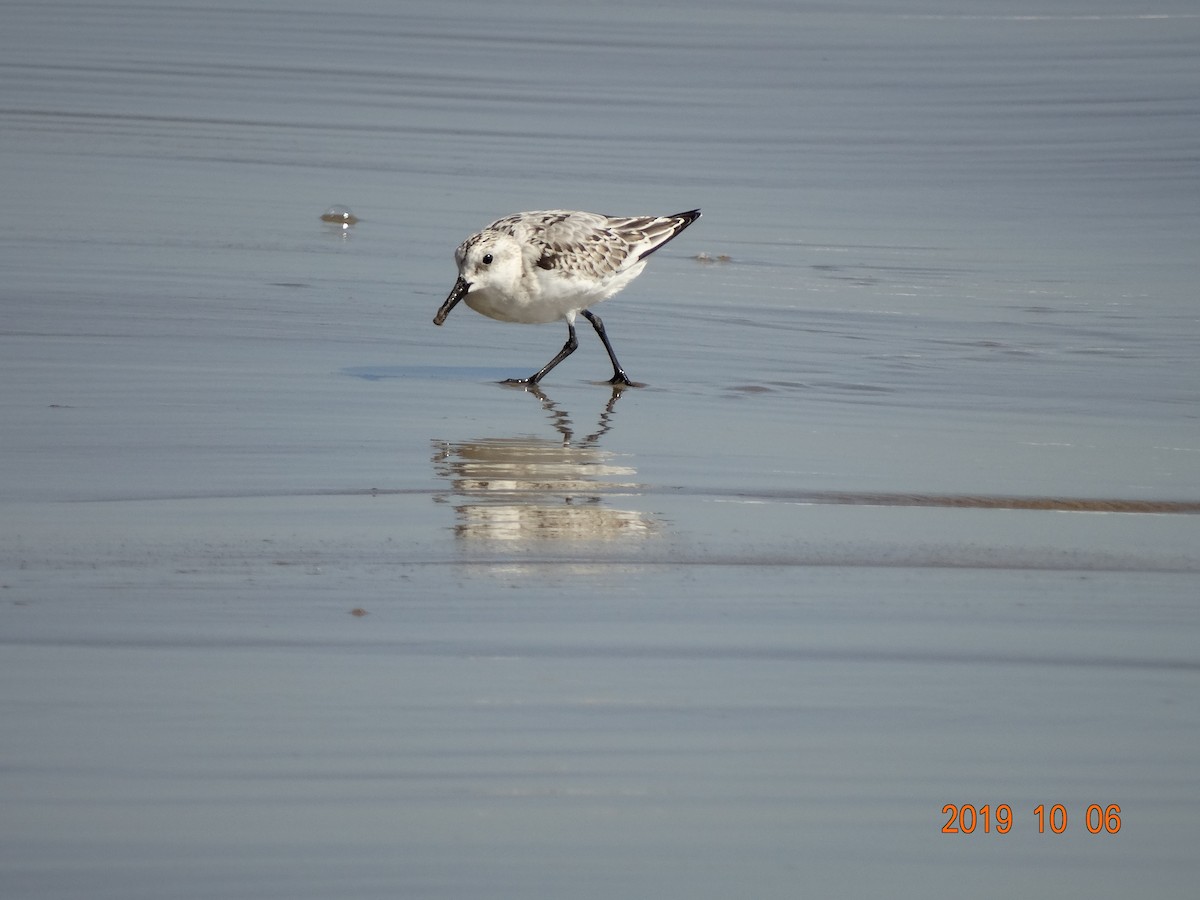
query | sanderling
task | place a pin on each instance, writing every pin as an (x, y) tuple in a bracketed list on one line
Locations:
[(536, 267)]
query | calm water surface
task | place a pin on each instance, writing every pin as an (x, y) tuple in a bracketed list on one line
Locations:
[(295, 601)]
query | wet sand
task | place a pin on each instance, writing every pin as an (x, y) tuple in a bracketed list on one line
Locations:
[(295, 600)]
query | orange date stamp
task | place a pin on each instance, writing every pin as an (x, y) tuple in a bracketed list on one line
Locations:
[(968, 818)]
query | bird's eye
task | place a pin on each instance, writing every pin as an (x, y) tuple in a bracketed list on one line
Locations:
[(487, 259)]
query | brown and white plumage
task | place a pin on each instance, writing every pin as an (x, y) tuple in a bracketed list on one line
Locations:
[(543, 266)]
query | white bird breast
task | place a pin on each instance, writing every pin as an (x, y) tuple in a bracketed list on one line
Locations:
[(547, 295)]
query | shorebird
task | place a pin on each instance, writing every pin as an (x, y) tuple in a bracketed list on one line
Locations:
[(536, 267)]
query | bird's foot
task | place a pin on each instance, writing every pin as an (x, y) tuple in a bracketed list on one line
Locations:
[(621, 380)]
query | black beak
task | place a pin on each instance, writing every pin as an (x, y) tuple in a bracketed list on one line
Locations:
[(460, 290)]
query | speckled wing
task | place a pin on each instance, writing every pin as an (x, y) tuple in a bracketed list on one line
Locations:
[(591, 245), (645, 234)]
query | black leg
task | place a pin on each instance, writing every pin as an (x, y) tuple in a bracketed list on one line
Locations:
[(567, 349), (619, 376)]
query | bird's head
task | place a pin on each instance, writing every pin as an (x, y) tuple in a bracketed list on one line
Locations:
[(488, 261)]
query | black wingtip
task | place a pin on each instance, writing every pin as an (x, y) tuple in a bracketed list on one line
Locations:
[(688, 218)]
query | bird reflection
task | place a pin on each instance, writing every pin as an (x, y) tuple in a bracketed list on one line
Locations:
[(536, 489)]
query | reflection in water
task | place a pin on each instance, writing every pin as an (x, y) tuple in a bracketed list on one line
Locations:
[(529, 488)]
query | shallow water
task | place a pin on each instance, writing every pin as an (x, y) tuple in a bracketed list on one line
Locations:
[(295, 601)]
